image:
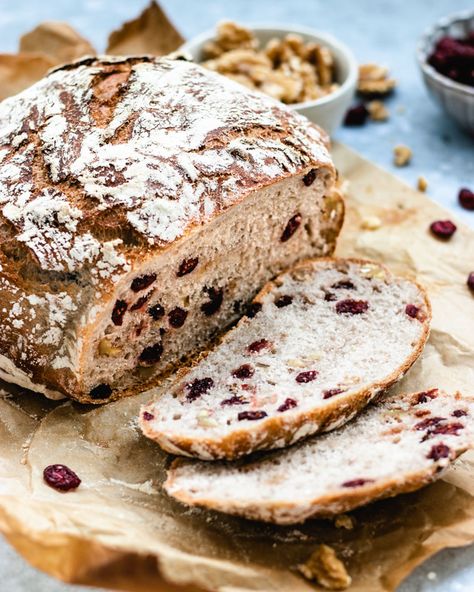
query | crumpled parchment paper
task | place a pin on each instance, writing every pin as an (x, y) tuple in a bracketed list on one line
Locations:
[(120, 531)]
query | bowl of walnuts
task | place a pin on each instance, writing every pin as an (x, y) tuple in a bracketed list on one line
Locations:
[(311, 72)]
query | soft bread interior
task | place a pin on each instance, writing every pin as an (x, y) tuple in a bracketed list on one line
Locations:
[(203, 284)]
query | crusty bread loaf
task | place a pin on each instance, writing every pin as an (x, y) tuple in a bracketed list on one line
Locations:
[(143, 202), (396, 446), (322, 340)]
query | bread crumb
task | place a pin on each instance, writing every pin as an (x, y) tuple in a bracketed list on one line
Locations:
[(324, 567), (371, 223), (422, 184), (401, 155), (431, 575), (344, 521), (377, 111)]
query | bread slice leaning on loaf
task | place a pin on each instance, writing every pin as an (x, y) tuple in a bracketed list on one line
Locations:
[(398, 445), (321, 340), (143, 203)]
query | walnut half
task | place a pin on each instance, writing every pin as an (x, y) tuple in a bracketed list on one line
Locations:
[(324, 567)]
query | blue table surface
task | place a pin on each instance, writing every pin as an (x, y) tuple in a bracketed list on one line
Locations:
[(385, 32)]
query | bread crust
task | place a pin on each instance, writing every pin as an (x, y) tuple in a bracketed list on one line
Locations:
[(77, 217), (324, 506), (280, 428)]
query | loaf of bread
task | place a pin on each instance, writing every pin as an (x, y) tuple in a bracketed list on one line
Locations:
[(399, 445), (322, 340), (143, 202)]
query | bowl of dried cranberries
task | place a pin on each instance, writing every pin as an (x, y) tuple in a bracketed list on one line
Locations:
[(446, 58)]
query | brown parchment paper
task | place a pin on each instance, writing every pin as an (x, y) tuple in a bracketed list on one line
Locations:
[(119, 530)]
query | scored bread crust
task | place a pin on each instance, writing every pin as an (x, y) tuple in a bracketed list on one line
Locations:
[(75, 225), (266, 432), (324, 506)]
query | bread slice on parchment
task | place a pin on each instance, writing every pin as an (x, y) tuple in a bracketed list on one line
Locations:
[(143, 203), (324, 338), (399, 445)]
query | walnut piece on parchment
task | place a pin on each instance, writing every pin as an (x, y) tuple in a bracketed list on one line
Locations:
[(324, 567)]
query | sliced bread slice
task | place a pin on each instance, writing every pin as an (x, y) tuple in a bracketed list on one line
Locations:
[(394, 447), (321, 340)]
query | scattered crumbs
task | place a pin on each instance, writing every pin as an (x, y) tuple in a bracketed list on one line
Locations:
[(378, 111), (371, 223), (401, 155), (431, 575), (422, 184)]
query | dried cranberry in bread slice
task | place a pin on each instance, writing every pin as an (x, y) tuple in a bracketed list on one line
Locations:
[(143, 203), (396, 446), (320, 342)]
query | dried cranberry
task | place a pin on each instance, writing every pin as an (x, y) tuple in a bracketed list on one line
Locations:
[(148, 416), (309, 178), (412, 311), (439, 451), (470, 281), (443, 229), (120, 309), (426, 396), (291, 227), (151, 354), (251, 415), (198, 387), (177, 317), (234, 400), (344, 284), (156, 311), (307, 376), (327, 394), (101, 391), (243, 372), (187, 266), (428, 423), (142, 282), (450, 429), (287, 404), (330, 297), (283, 301), (253, 309), (61, 477), (466, 199), (257, 346), (356, 115), (356, 482), (140, 302), (353, 307), (216, 295), (459, 413)]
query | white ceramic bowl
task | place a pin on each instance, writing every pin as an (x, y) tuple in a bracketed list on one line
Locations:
[(456, 99), (327, 111)]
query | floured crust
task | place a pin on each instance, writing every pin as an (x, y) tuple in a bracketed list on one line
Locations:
[(105, 163), (279, 431), (179, 483)]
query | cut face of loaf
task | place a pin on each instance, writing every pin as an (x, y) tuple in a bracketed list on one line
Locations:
[(143, 203), (397, 446), (183, 298), (319, 342)]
